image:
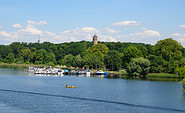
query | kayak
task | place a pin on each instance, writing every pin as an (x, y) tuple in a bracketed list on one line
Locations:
[(70, 86)]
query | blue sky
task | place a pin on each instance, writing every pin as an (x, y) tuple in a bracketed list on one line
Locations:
[(58, 21)]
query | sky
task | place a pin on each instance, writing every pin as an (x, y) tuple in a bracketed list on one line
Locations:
[(59, 21)]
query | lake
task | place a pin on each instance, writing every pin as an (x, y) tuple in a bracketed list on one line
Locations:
[(21, 92)]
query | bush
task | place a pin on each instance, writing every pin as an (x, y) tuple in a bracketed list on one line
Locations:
[(180, 71), (27, 62), (51, 64), (19, 62), (37, 62), (183, 83), (138, 67)]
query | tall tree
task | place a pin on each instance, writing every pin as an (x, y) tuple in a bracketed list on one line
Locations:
[(130, 53), (68, 60), (113, 60), (78, 61), (26, 54), (10, 58), (168, 48)]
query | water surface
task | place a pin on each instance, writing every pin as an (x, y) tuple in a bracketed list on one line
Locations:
[(24, 93)]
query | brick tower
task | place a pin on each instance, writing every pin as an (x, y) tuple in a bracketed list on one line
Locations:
[(95, 39)]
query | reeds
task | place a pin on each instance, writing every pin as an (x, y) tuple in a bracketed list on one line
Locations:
[(13, 65)]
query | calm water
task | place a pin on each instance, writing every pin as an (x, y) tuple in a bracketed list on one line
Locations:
[(22, 93)]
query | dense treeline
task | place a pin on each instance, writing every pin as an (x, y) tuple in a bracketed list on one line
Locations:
[(166, 55)]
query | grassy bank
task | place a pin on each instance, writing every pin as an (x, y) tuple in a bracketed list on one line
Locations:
[(162, 75), (13, 65)]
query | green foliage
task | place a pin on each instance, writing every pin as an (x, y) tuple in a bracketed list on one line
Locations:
[(51, 64), (94, 56), (161, 75), (138, 67), (1, 59), (10, 58), (88, 60), (130, 53), (68, 60), (37, 62), (50, 57), (113, 60), (78, 61), (166, 56), (158, 64), (180, 71), (26, 54), (98, 48), (143, 50), (19, 62), (183, 83), (168, 48), (181, 62)]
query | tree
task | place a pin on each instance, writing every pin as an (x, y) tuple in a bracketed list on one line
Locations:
[(10, 58), (50, 57), (158, 64), (88, 59), (16, 47), (98, 47), (180, 71), (78, 61), (26, 54), (143, 50), (41, 55), (168, 48), (98, 58), (138, 67), (130, 53), (113, 60), (181, 62), (1, 59), (68, 60), (95, 55)]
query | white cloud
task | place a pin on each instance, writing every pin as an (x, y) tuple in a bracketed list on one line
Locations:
[(152, 33), (12, 35), (144, 29), (127, 23), (17, 26), (147, 33), (183, 26), (89, 30), (125, 29), (109, 30), (30, 30), (37, 23), (4, 34), (1, 27), (78, 34), (176, 34), (107, 38)]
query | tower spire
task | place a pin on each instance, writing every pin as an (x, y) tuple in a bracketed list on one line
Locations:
[(39, 39)]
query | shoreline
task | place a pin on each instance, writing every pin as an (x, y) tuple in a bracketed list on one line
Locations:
[(114, 75)]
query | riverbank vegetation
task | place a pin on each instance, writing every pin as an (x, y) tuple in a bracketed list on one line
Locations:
[(13, 65), (183, 83), (166, 56)]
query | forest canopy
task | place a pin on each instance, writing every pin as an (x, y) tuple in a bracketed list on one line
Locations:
[(166, 55)]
